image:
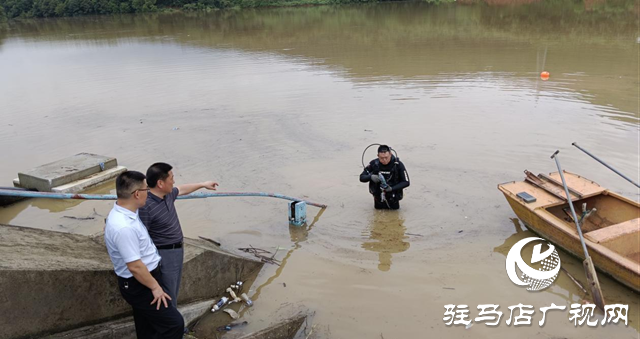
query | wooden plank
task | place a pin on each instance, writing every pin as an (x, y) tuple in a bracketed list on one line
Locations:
[(559, 184), (532, 179), (614, 231), (543, 197), (579, 183)]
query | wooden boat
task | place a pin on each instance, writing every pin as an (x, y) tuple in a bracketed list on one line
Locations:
[(611, 233)]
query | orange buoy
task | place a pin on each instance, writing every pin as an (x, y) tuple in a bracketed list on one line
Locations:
[(544, 75)]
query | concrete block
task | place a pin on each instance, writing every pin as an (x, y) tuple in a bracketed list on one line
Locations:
[(44, 178), (90, 181), (192, 312), (125, 328), (90, 332), (52, 282), (72, 187), (285, 329)]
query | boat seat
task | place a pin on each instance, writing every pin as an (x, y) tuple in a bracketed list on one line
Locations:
[(605, 234), (619, 237)]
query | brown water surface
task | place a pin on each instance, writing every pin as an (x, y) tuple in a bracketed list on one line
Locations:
[(285, 100)]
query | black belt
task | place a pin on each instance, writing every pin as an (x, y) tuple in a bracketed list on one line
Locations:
[(153, 273), (170, 247)]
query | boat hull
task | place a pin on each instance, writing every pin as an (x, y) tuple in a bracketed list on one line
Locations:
[(544, 223)]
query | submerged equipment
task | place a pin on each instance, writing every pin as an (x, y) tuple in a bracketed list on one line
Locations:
[(297, 213), (383, 186)]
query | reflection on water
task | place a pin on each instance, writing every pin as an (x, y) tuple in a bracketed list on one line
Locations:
[(298, 235), (408, 42), (65, 215), (386, 234), (207, 327), (517, 225)]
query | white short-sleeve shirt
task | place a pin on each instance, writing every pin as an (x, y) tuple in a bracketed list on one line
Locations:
[(128, 240)]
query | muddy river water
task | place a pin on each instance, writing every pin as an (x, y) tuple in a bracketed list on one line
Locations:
[(285, 100)]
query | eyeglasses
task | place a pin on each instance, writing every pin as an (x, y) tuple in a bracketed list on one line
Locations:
[(141, 189)]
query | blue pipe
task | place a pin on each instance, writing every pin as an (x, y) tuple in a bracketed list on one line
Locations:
[(247, 194), (51, 195)]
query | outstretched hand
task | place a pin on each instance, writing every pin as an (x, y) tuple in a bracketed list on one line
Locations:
[(160, 297), (210, 185)]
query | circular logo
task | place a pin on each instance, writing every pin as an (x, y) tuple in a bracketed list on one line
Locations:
[(538, 279)]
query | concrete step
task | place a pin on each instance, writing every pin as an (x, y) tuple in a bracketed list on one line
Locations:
[(284, 329), (85, 183), (126, 329), (62, 172)]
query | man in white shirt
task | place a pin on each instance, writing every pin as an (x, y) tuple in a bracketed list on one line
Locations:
[(137, 263)]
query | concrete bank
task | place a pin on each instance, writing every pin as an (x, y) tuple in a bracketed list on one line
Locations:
[(51, 282)]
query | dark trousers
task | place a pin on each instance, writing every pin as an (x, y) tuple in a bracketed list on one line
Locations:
[(385, 205), (172, 271), (166, 322)]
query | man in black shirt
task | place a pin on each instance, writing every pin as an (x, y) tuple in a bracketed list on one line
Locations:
[(160, 217), (387, 177)]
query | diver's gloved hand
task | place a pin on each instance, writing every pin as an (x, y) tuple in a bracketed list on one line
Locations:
[(375, 178), (388, 189)]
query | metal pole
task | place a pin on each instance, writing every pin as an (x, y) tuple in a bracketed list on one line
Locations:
[(606, 165), (589, 268), (51, 195), (573, 212)]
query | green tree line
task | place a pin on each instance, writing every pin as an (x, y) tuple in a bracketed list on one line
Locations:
[(53, 8), (56, 8)]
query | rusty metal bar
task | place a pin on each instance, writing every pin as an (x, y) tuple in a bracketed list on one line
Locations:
[(532, 179)]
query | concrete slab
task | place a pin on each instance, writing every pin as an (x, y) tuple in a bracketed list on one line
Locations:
[(52, 282), (44, 178), (281, 327), (285, 329), (90, 181), (72, 187), (125, 328)]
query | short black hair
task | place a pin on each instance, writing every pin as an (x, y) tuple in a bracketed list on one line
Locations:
[(384, 149), (127, 182), (157, 171)]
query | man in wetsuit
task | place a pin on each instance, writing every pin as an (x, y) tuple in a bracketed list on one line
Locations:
[(386, 191)]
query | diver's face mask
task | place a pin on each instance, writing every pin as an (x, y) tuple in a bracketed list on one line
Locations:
[(384, 157)]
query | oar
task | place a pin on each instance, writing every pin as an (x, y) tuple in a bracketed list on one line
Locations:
[(606, 165), (589, 269)]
